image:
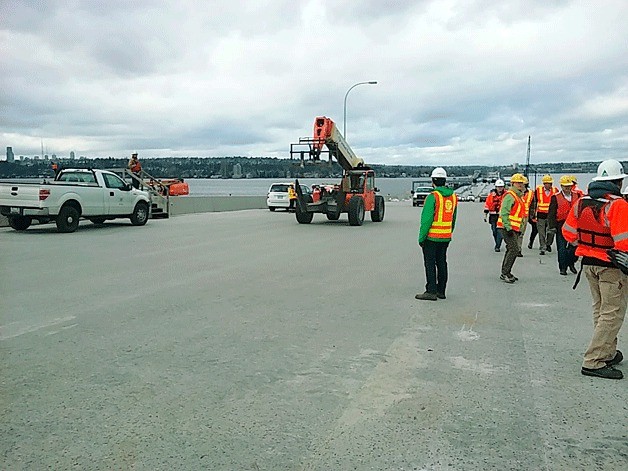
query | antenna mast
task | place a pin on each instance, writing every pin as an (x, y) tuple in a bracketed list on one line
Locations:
[(528, 159)]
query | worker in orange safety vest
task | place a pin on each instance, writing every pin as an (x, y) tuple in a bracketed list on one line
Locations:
[(542, 197), (560, 205), (491, 209), (599, 222), (438, 219), (136, 168), (511, 214)]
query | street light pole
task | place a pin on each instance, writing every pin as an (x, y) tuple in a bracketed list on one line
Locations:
[(344, 119)]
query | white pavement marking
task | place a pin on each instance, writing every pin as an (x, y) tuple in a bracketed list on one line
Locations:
[(14, 329)]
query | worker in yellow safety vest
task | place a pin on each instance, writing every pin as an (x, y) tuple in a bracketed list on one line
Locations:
[(511, 214), (438, 219)]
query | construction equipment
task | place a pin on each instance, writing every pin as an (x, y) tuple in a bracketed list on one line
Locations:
[(356, 192)]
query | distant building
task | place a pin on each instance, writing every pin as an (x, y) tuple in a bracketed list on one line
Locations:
[(237, 171), (72, 155), (54, 156), (10, 156)]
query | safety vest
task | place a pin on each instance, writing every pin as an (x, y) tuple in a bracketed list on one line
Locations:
[(517, 213), (444, 207), (292, 194), (543, 200), (527, 201), (136, 166), (593, 229), (564, 205), (494, 201)]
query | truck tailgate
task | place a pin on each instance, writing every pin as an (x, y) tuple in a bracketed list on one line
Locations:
[(19, 195)]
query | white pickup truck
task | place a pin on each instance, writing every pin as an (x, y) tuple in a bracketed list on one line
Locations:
[(97, 195)]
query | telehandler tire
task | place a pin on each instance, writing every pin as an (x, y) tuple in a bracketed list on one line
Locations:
[(304, 217), (356, 211), (377, 215)]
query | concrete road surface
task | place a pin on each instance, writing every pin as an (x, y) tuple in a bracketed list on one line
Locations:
[(245, 341)]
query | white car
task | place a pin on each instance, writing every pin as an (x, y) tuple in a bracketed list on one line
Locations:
[(278, 195)]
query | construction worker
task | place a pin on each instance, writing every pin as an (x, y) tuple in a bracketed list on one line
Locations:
[(542, 196), (292, 196), (528, 196), (574, 188), (438, 220), (491, 208), (135, 167), (56, 168), (598, 223), (560, 205), (511, 213)]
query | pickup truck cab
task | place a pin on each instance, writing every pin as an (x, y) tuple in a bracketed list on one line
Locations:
[(97, 195), (419, 192)]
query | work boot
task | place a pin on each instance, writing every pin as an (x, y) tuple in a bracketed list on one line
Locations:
[(530, 245), (442, 296), (427, 296), (549, 248), (607, 372), (563, 272), (497, 249), (519, 254), (507, 278), (616, 360), (542, 252), (572, 269)]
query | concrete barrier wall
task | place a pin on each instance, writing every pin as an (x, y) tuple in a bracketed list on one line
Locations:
[(203, 204)]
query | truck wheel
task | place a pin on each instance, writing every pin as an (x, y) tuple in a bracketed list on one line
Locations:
[(377, 215), (68, 219), (140, 214), (272, 208), (304, 217), (97, 221), (20, 223), (356, 211)]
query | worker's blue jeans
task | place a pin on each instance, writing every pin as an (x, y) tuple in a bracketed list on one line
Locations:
[(435, 260), (566, 252), (497, 234)]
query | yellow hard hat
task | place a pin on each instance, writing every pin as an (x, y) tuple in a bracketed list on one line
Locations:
[(566, 180), (547, 179), (518, 178), (574, 179)]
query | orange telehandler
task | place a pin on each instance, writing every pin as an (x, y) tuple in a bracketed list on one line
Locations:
[(356, 192)]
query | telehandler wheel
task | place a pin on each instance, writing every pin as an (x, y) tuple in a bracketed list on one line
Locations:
[(20, 223), (377, 215), (304, 217), (356, 211)]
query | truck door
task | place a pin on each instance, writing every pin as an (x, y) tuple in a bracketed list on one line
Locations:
[(118, 195)]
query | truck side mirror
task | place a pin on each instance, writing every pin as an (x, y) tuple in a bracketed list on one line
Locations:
[(411, 192), (126, 187)]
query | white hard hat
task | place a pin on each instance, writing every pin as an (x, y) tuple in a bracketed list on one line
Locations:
[(439, 172), (500, 182), (610, 169)]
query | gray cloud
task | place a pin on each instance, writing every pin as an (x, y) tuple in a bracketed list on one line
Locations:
[(461, 82)]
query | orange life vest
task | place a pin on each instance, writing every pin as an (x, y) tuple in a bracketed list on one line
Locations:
[(593, 229), (543, 200), (136, 167), (516, 215), (494, 201), (444, 208), (564, 205)]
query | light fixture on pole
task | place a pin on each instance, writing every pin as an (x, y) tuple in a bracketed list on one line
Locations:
[(344, 119)]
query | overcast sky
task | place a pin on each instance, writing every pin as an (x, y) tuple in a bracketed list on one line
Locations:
[(459, 82)]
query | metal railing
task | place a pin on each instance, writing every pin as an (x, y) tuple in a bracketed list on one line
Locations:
[(159, 192)]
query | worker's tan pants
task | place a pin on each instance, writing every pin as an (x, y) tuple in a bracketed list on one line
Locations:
[(609, 289)]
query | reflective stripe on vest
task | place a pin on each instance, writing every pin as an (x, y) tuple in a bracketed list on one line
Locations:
[(543, 200), (441, 227), (527, 201), (516, 213), (593, 227)]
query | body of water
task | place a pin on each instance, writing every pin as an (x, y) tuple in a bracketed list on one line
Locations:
[(388, 187)]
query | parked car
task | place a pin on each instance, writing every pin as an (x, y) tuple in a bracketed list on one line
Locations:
[(278, 195)]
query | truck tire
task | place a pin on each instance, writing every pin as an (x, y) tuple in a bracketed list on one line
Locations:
[(140, 214), (304, 217), (377, 215), (68, 218), (20, 223), (97, 221), (356, 211)]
